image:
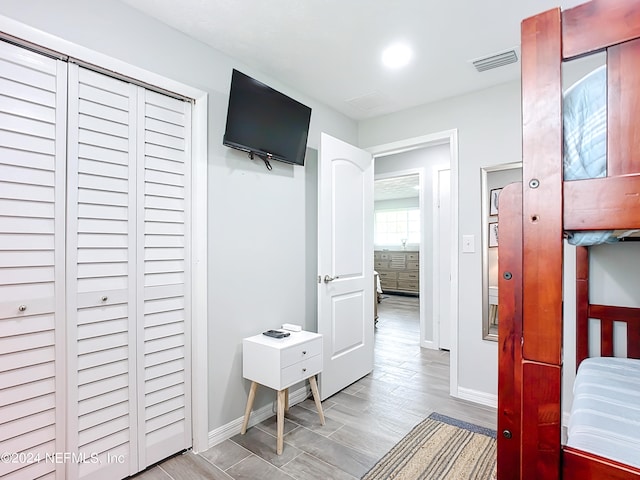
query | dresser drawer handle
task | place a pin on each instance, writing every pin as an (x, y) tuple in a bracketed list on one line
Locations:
[(304, 369), (304, 352), (104, 298), (22, 308)]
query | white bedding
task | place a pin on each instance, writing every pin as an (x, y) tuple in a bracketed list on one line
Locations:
[(584, 117), (584, 121), (605, 415)]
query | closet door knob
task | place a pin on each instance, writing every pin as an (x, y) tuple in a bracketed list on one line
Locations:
[(22, 308), (104, 298)]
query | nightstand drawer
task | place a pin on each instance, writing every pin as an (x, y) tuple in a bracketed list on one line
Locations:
[(379, 264), (301, 371), (413, 265), (413, 257), (300, 352)]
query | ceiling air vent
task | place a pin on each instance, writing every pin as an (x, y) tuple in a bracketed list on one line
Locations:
[(368, 102), (494, 61)]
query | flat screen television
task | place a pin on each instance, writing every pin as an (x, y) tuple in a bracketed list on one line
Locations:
[(265, 122)]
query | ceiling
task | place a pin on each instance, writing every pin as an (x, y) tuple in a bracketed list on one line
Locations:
[(330, 50), (405, 186)]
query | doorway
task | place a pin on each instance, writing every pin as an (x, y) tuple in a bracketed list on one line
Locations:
[(408, 237), (399, 230)]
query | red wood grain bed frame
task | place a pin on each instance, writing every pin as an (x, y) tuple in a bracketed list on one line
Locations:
[(533, 218)]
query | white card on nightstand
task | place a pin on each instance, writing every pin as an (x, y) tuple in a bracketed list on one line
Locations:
[(291, 327)]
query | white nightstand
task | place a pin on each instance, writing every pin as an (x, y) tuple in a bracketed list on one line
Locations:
[(279, 363)]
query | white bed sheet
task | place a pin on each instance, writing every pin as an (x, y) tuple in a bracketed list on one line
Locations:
[(584, 121), (605, 415)]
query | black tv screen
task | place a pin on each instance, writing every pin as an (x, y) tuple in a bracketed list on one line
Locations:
[(265, 122)]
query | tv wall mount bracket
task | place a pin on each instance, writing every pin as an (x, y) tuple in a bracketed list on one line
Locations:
[(265, 158)]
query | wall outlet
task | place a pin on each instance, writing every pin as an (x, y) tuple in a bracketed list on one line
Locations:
[(468, 244)]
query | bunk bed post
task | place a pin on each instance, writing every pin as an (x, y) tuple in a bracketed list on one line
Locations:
[(510, 331), (582, 304), (542, 245)]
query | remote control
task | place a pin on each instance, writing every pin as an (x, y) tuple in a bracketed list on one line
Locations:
[(276, 334)]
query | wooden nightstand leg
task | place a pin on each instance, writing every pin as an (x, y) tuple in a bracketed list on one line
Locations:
[(247, 411), (286, 400), (316, 397), (280, 417)]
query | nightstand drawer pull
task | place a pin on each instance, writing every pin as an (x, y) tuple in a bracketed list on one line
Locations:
[(22, 308), (300, 352)]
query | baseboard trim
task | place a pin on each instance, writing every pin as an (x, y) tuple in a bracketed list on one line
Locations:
[(431, 345), (232, 428), (477, 396)]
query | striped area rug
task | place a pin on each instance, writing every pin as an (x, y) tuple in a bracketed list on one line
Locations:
[(440, 448)]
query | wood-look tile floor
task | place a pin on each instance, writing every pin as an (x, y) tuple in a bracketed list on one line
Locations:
[(363, 421)]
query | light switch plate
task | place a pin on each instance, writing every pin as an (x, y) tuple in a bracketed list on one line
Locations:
[(468, 244)]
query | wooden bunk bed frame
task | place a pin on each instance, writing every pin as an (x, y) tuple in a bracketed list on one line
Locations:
[(533, 218)]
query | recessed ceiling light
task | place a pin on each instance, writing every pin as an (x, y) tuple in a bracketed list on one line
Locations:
[(397, 55)]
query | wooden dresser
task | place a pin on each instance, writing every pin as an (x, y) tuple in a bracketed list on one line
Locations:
[(399, 270)]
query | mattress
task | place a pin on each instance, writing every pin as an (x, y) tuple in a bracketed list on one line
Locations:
[(605, 415)]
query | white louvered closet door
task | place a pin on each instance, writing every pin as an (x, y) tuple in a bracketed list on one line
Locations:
[(32, 170), (101, 275), (128, 265), (164, 338)]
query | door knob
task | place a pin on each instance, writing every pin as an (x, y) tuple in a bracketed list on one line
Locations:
[(328, 278)]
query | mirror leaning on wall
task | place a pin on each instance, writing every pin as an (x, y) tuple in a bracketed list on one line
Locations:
[(493, 180)]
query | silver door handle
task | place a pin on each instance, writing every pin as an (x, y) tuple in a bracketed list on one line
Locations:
[(328, 278)]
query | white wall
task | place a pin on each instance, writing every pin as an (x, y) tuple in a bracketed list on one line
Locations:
[(261, 224), (489, 133)]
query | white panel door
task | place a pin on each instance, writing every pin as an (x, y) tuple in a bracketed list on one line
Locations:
[(164, 337), (32, 171), (101, 272), (345, 263)]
